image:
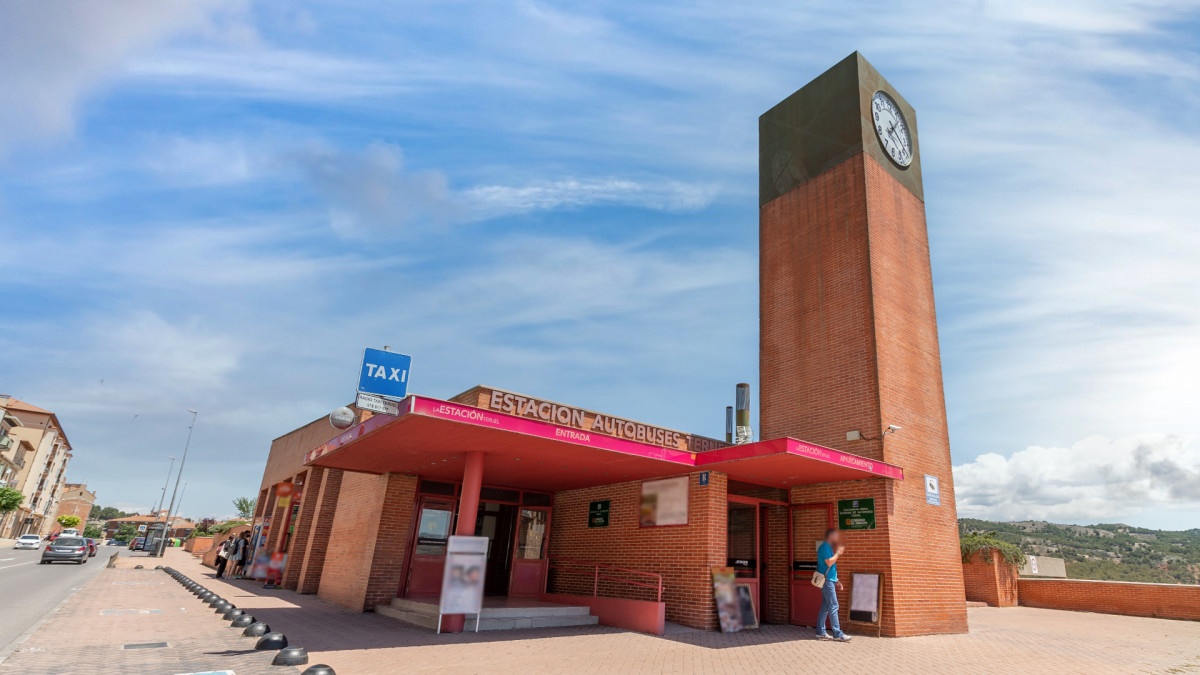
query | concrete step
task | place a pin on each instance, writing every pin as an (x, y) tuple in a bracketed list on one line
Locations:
[(424, 614)]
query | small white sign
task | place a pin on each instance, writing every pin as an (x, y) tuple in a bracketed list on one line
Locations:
[(377, 404), (1033, 564), (933, 492)]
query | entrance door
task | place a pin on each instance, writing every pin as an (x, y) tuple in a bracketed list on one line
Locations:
[(742, 546), (429, 554), (529, 556), (809, 522), (497, 522)]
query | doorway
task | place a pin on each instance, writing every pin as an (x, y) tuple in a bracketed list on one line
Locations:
[(515, 522), (755, 538), (808, 525)]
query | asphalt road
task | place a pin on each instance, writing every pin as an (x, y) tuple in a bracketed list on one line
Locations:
[(29, 590)]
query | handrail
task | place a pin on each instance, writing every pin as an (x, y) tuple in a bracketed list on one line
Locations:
[(596, 576)]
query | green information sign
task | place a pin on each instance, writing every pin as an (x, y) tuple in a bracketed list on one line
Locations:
[(598, 514), (856, 514)]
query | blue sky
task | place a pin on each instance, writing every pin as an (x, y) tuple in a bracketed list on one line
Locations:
[(217, 205)]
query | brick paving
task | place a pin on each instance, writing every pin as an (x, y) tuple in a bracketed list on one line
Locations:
[(1016, 639), (126, 606)]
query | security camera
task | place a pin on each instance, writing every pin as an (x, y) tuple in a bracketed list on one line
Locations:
[(893, 427)]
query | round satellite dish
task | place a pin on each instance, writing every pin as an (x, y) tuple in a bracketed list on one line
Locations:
[(341, 418)]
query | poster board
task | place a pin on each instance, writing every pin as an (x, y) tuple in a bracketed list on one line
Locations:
[(462, 578), (747, 610), (664, 502), (725, 595), (866, 599)]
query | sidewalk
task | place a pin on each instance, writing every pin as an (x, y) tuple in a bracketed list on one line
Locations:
[(125, 606), (1018, 639)]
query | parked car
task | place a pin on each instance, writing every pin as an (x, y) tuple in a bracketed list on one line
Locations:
[(136, 544), (116, 542), (69, 532), (29, 541), (73, 549), (91, 544)]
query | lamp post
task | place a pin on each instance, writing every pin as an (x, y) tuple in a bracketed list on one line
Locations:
[(162, 496), (175, 490), (180, 505)]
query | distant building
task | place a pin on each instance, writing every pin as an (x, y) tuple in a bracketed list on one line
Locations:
[(180, 527), (36, 453), (76, 500)]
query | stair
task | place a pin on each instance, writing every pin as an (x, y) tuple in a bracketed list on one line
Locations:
[(538, 615)]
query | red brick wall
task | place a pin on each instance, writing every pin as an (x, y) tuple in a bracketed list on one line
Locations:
[(322, 530), (995, 583), (778, 564), (1164, 601), (363, 566), (684, 555), (848, 341), (309, 491), (79, 507)]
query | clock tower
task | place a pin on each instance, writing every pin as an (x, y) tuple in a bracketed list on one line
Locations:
[(848, 332)]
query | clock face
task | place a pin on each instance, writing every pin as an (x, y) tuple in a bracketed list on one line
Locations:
[(891, 128)]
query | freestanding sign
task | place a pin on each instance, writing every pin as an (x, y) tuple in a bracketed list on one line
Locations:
[(462, 578), (384, 373), (856, 514)]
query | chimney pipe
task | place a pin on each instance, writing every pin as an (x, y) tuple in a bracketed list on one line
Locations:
[(743, 432), (728, 424)]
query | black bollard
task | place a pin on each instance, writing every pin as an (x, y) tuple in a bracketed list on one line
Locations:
[(242, 620), (271, 641), (319, 669), (290, 656), (256, 629), (232, 613)]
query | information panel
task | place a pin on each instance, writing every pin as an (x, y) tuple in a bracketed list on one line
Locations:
[(856, 514)]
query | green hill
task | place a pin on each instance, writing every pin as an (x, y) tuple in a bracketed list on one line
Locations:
[(1109, 551)]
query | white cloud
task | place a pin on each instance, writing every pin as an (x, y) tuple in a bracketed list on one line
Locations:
[(54, 52), (1148, 477)]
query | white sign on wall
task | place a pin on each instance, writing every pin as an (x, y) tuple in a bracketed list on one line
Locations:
[(664, 502), (933, 491)]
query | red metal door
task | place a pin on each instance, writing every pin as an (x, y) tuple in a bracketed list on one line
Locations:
[(809, 522), (528, 578), (428, 560)]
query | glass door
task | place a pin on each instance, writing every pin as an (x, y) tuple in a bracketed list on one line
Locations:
[(436, 516), (529, 556)]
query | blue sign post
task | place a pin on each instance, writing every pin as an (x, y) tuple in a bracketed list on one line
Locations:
[(384, 374)]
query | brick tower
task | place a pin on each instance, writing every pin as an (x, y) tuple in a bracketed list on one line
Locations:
[(848, 334)]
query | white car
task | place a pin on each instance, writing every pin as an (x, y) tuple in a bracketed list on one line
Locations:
[(33, 541)]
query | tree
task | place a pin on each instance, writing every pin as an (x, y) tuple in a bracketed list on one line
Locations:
[(10, 500), (244, 506), (94, 514), (93, 531), (68, 521), (126, 532)]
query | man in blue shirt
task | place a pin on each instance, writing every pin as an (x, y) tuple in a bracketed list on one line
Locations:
[(827, 557)]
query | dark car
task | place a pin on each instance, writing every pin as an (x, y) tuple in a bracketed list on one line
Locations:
[(91, 544), (116, 542), (73, 549), (136, 544)]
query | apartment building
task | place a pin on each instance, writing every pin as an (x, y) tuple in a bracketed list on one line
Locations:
[(36, 453)]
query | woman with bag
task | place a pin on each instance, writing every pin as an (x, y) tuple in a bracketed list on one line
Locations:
[(223, 556)]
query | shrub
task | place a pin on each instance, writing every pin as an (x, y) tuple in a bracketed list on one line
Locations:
[(983, 543), (69, 521)]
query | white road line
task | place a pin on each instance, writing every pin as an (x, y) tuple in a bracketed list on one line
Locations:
[(18, 564)]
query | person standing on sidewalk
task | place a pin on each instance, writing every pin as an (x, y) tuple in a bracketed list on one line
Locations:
[(827, 557), (241, 551), (223, 556)]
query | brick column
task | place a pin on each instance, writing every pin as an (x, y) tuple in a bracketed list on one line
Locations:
[(319, 534), (298, 544)]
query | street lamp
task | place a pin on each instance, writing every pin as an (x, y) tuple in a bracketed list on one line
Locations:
[(174, 491), (158, 511)]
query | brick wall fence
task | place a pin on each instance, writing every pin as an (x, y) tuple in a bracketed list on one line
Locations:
[(1164, 601), (990, 579)]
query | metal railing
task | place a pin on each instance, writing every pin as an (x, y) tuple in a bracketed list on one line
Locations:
[(563, 565)]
